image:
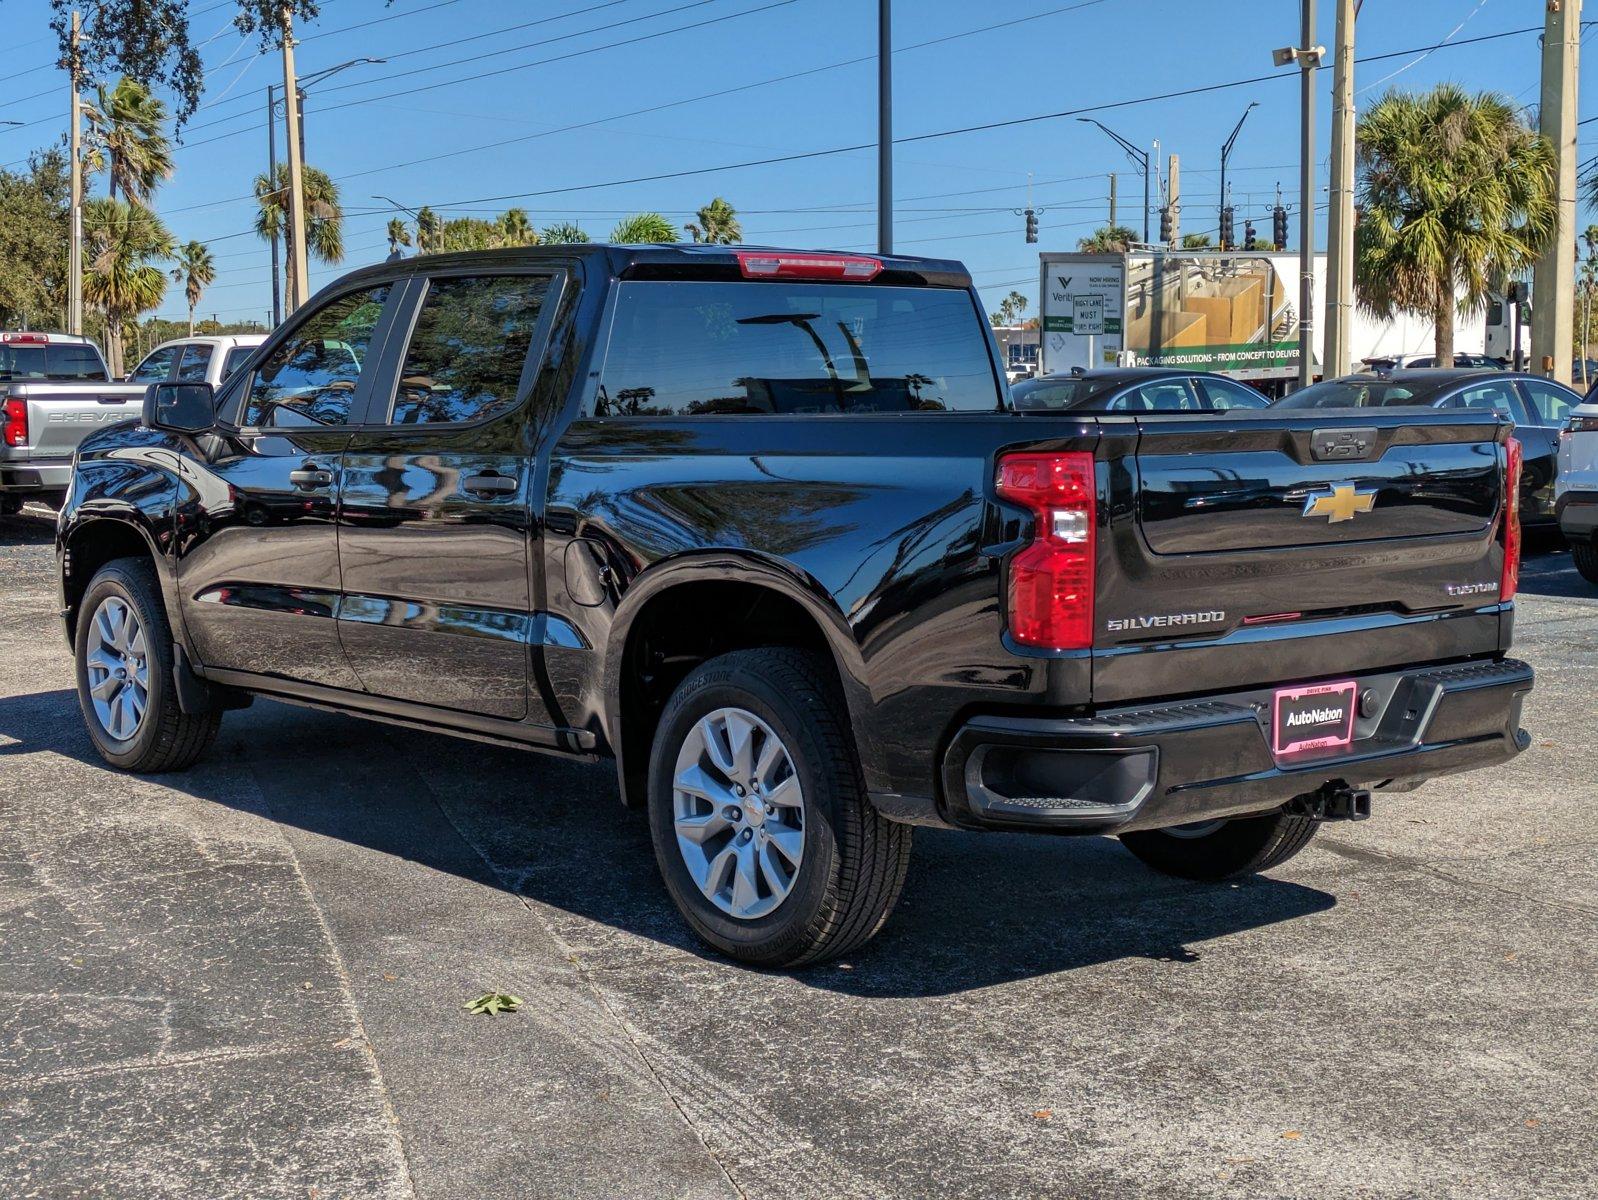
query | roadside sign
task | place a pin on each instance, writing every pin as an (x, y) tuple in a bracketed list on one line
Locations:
[(1082, 302)]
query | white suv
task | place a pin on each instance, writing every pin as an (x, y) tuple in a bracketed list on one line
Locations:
[(1576, 486), (196, 359)]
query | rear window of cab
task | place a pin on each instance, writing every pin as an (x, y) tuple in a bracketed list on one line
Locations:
[(691, 348)]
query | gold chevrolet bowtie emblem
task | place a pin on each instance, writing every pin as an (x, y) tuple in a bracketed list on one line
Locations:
[(1340, 503)]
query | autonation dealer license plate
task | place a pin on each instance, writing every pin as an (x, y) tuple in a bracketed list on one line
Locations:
[(1314, 717)]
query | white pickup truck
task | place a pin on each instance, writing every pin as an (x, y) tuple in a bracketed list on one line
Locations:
[(55, 389)]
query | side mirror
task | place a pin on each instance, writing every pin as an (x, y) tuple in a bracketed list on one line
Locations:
[(179, 407)]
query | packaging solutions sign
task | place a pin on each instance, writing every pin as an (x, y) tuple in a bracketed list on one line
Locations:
[(1083, 303)]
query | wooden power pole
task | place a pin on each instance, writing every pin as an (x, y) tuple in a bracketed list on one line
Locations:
[(1554, 284), (75, 149), (1340, 219), (299, 289)]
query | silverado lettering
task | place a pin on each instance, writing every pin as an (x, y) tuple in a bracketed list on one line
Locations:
[(1165, 621)]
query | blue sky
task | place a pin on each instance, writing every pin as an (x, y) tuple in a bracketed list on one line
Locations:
[(955, 195)]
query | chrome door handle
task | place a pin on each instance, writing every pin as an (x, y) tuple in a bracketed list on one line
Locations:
[(311, 477), (489, 484)]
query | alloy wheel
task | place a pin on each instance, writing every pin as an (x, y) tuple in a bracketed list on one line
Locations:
[(738, 811), (118, 668)]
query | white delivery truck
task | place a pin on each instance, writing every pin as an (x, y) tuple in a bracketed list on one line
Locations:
[(1233, 311)]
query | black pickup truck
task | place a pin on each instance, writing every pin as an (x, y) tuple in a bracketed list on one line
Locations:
[(764, 527)]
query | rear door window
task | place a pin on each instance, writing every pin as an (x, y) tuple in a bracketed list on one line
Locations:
[(1158, 395), (703, 349), (1221, 395), (196, 359), (1550, 404), (1497, 396), (469, 347)]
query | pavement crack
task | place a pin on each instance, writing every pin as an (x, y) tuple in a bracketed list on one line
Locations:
[(1382, 858)]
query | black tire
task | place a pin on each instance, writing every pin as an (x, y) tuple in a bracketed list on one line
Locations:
[(167, 738), (854, 860), (1585, 556), (1241, 846)]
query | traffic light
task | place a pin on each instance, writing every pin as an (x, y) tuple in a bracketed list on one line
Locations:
[(1226, 228), (1165, 224), (1279, 227), (1031, 225), (1248, 235)]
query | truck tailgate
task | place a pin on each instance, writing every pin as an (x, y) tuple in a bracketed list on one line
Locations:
[(60, 416), (1264, 547)]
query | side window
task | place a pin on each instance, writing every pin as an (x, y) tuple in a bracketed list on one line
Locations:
[(1497, 396), (1159, 395), (468, 349), (157, 366), (1550, 405), (310, 378), (196, 358), (1222, 394), (235, 360)]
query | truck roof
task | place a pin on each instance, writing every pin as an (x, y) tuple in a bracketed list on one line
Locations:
[(667, 261), (41, 337)]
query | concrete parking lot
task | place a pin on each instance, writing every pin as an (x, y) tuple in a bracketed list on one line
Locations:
[(246, 981)]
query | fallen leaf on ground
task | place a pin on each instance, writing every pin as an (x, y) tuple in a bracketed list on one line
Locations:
[(1292, 1135), (1043, 1114), (1532, 1122), (490, 1003)]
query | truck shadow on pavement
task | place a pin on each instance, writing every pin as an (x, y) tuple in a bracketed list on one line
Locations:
[(978, 910)]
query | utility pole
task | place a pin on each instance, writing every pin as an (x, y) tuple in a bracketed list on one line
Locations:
[(1173, 201), (271, 175), (884, 127), (1340, 216), (1112, 199), (1554, 283), (75, 250), (299, 290), (1308, 57)]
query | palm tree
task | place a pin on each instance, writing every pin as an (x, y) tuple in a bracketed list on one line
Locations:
[(1108, 239), (324, 217), (429, 227), (120, 241), (565, 233), (1195, 241), (1455, 193), (717, 224), (642, 229), (196, 270), (515, 229), (399, 234), (125, 136)]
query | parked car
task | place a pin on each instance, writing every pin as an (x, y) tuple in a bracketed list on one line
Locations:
[(764, 527), (54, 388), (1134, 390), (1474, 362), (1576, 490), (203, 359), (1538, 407)]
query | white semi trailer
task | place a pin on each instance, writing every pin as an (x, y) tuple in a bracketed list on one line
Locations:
[(1232, 311)]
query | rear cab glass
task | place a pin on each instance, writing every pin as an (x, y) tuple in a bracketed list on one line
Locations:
[(691, 348), (66, 361)]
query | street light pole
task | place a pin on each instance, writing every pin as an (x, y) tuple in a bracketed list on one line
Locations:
[(1226, 153), (1309, 59), (884, 127), (1140, 157)]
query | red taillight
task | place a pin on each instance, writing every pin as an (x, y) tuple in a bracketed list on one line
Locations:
[(1510, 581), (758, 264), (16, 426), (1051, 579)]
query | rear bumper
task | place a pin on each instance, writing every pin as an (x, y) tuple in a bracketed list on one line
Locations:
[(36, 475), (1150, 767), (1578, 515)]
